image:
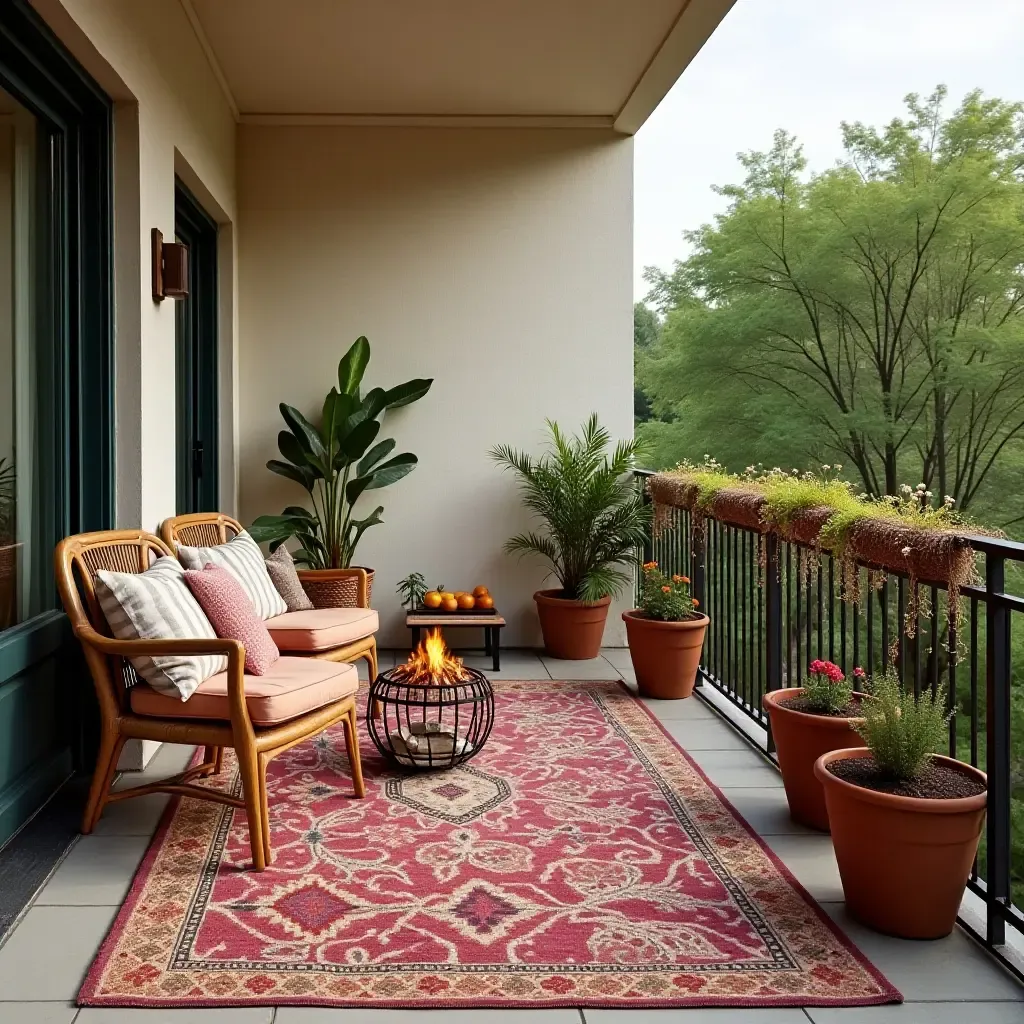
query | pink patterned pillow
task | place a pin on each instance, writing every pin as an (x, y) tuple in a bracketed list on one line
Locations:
[(233, 616)]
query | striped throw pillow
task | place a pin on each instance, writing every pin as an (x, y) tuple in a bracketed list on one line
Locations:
[(241, 556), (157, 605)]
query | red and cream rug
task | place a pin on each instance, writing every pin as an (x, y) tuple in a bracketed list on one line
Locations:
[(581, 859)]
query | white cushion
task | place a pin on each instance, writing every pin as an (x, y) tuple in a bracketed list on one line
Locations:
[(241, 556), (157, 605)]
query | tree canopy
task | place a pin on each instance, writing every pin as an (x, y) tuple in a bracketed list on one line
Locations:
[(870, 314)]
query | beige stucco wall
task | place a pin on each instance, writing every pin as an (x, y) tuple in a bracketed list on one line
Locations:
[(497, 261), (170, 116)]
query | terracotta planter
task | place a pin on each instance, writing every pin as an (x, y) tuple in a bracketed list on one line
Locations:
[(904, 861), (800, 739), (572, 630), (334, 588), (665, 655)]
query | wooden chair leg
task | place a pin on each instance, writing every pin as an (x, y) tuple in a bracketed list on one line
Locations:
[(268, 852), (371, 661), (213, 760), (111, 744), (248, 769), (352, 743)]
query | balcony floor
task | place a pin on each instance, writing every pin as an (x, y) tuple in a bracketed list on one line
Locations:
[(952, 981)]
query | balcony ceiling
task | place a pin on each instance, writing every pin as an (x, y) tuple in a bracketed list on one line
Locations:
[(451, 59)]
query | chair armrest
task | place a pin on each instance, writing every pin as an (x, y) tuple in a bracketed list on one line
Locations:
[(234, 649), (197, 646), (360, 575)]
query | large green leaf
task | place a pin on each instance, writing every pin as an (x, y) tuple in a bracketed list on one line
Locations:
[(272, 528), (356, 487), (304, 475), (361, 437), (394, 469), (305, 432), (336, 411), (379, 451), (291, 448), (353, 366), (407, 393), (359, 526)]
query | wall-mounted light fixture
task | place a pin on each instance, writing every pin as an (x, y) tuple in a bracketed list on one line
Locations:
[(170, 268)]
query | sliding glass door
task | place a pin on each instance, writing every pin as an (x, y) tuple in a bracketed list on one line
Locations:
[(56, 391)]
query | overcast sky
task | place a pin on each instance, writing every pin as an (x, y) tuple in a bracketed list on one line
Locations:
[(806, 65)]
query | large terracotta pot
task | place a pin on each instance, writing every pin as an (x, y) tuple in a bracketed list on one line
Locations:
[(904, 861), (572, 630), (800, 739), (665, 655)]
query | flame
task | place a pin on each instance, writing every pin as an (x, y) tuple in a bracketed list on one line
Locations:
[(432, 663)]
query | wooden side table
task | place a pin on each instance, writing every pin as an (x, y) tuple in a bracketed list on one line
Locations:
[(492, 625)]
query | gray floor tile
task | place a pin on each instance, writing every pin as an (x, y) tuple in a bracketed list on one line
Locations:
[(679, 710), (618, 656), (110, 1015), (697, 1015), (51, 950), (137, 817), (37, 1013), (704, 734), (597, 668), (97, 872), (514, 666), (731, 769), (170, 759), (950, 969), (812, 861), (297, 1015), (766, 811), (920, 1013)]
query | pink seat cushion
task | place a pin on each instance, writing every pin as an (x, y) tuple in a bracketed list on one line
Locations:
[(320, 629), (292, 687), (232, 615)]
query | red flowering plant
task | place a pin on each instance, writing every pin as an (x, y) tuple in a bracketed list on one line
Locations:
[(827, 690), (666, 598)]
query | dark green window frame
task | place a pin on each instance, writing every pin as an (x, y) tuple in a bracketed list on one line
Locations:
[(40, 668)]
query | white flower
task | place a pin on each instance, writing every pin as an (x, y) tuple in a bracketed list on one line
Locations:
[(906, 489), (927, 494), (826, 466), (838, 466), (949, 500), (906, 551)]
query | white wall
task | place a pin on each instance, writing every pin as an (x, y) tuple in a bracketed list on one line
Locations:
[(497, 261), (171, 116)]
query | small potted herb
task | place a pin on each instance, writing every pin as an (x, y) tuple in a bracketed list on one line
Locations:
[(412, 589), (905, 821), (665, 634), (807, 721)]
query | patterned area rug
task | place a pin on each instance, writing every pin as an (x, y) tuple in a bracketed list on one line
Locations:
[(581, 859)]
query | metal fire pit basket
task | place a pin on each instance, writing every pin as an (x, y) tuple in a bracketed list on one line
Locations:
[(437, 725)]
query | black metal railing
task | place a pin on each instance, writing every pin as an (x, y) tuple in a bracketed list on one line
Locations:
[(776, 605)]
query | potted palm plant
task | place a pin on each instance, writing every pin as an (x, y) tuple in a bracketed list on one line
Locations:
[(666, 634), (807, 721), (8, 549), (905, 821), (336, 461), (595, 520)]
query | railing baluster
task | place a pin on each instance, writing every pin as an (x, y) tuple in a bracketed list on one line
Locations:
[(997, 748)]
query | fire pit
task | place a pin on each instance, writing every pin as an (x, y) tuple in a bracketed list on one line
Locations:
[(431, 712)]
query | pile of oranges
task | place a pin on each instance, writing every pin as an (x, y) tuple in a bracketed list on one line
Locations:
[(459, 600)]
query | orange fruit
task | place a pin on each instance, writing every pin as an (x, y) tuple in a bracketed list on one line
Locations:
[(480, 592), (448, 593), (460, 593), (485, 601), (432, 599), (449, 603), (466, 601)]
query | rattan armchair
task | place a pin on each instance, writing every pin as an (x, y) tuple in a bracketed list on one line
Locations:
[(208, 529), (77, 559)]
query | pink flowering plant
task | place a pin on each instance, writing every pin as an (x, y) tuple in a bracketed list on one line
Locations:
[(827, 690)]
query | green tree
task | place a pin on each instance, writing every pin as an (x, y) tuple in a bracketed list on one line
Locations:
[(645, 337), (872, 313)]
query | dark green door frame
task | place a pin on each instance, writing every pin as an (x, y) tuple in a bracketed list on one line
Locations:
[(197, 354), (44, 711)]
